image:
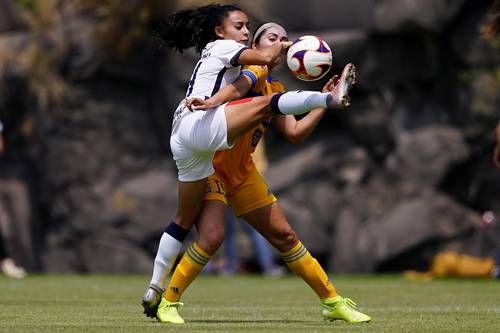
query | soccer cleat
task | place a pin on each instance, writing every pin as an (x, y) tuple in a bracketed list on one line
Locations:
[(339, 308), (151, 299), (167, 312), (340, 92)]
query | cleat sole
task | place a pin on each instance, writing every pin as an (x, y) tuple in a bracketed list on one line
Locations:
[(344, 85)]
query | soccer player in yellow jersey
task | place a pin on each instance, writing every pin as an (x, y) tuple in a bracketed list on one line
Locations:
[(237, 183)]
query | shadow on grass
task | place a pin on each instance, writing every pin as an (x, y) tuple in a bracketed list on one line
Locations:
[(253, 321)]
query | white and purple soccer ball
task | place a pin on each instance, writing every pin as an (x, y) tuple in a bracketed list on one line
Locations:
[(309, 58)]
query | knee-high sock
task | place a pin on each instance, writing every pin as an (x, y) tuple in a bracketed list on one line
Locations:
[(187, 270), (300, 261), (298, 102), (168, 250)]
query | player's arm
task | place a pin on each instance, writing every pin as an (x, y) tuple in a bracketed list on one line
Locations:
[(231, 92), (266, 56), (297, 131)]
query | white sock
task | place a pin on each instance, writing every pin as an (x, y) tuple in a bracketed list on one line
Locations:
[(168, 250), (298, 102)]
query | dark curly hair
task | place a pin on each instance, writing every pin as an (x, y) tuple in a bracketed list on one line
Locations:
[(193, 27)]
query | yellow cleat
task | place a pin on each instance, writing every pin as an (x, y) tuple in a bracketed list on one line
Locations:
[(167, 312), (339, 308)]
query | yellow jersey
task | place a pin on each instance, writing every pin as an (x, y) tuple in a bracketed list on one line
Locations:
[(235, 164)]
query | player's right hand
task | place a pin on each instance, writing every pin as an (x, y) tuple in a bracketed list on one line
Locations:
[(199, 104)]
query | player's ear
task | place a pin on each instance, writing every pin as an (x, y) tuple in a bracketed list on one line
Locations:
[(219, 31)]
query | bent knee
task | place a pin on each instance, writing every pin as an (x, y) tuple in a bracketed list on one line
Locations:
[(211, 242), (285, 239), (265, 103), (290, 237)]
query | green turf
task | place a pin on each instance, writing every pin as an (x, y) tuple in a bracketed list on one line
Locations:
[(251, 304)]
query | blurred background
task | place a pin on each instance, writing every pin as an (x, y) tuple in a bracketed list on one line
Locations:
[(87, 182)]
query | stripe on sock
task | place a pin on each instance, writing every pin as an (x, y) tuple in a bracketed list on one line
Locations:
[(196, 257), (292, 250), (299, 252), (296, 256), (201, 252)]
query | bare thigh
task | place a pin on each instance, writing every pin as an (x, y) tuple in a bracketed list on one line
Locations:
[(245, 114)]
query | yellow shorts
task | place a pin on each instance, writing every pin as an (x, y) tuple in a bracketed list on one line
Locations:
[(253, 193)]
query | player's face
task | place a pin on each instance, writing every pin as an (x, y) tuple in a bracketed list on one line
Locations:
[(235, 27), (270, 36)]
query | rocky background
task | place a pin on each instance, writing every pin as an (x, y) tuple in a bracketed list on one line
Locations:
[(87, 183)]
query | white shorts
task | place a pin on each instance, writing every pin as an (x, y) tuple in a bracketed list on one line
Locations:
[(196, 136)]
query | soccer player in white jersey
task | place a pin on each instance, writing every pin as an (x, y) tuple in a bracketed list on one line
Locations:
[(220, 33)]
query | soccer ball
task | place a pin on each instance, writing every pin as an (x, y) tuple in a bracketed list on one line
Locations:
[(309, 58)]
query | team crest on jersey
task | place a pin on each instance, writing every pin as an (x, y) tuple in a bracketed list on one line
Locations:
[(256, 137)]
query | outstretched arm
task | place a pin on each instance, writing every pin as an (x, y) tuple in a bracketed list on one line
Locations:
[(231, 92), (297, 131), (266, 56)]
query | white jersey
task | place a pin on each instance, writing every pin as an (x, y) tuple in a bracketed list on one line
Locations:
[(196, 136), (216, 68)]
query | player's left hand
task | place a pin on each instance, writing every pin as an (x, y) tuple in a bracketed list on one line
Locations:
[(330, 84)]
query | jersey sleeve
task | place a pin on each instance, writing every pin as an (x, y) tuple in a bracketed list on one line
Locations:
[(255, 73), (229, 51)]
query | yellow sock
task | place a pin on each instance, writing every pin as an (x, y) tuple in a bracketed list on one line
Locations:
[(300, 261), (187, 270)]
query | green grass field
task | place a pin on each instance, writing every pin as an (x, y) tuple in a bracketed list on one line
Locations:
[(69, 303)]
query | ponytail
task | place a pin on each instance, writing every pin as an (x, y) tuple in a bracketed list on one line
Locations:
[(193, 27)]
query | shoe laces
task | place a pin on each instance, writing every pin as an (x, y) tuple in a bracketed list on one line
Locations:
[(349, 302), (174, 304)]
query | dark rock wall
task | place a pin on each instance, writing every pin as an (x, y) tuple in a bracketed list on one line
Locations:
[(87, 97)]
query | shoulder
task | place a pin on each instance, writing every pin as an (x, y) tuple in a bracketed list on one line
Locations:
[(257, 70), (227, 44)]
